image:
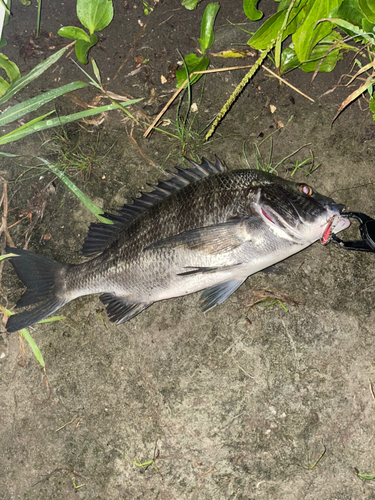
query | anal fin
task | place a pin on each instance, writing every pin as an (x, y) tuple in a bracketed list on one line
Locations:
[(217, 294), (119, 310)]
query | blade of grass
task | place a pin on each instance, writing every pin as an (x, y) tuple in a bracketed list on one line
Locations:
[(26, 335), (51, 320), (38, 17), (32, 127), (94, 209), (34, 73), (6, 256), (21, 109)]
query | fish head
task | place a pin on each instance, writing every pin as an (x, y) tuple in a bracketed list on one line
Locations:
[(297, 212)]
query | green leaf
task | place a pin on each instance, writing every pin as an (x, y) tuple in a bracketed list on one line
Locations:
[(367, 26), (290, 61), (251, 11), (207, 33), (10, 68), (82, 48), (37, 125), (346, 26), (368, 9), (73, 33), (366, 477), (271, 28), (372, 106), (328, 63), (190, 4), (52, 319), (95, 15), (4, 86), (308, 34), (193, 63), (94, 209), (16, 112), (33, 346), (32, 75), (7, 256), (348, 11)]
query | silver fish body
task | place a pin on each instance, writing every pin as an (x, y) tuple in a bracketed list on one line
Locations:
[(205, 229)]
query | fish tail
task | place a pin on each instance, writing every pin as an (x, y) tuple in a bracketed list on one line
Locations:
[(42, 277)]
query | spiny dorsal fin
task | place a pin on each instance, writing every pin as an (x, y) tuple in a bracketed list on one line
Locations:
[(101, 235)]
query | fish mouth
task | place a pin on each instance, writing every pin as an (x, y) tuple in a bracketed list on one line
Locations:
[(335, 224)]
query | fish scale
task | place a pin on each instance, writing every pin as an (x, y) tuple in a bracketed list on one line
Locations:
[(206, 228)]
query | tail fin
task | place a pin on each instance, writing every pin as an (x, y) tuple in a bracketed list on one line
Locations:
[(41, 276)]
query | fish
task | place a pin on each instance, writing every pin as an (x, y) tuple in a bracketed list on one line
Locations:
[(206, 229)]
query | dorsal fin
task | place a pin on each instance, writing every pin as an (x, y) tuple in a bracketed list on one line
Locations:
[(100, 235)]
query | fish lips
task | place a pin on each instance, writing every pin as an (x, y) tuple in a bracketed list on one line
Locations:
[(335, 224)]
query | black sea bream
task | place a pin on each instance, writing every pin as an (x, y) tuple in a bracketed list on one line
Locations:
[(206, 228)]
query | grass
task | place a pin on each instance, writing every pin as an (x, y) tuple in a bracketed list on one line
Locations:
[(76, 160), (268, 164)]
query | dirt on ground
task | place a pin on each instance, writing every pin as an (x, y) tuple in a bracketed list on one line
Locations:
[(244, 402)]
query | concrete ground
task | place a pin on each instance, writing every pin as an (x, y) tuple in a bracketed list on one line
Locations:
[(244, 402)]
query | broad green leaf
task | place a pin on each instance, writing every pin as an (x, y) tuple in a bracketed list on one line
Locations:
[(367, 26), (207, 33), (348, 11), (270, 29), (26, 3), (190, 4), (3, 42), (10, 68), (368, 9), (308, 34), (34, 73), (95, 15), (193, 63), (251, 11), (82, 48), (328, 63), (73, 33), (290, 61), (94, 209), (4, 86), (16, 112), (37, 125)]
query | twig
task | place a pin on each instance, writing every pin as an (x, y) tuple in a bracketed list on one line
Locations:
[(139, 149), (287, 83), (75, 418), (311, 467), (371, 389), (182, 88), (4, 225)]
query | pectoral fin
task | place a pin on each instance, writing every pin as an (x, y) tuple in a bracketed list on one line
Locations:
[(215, 295), (212, 240)]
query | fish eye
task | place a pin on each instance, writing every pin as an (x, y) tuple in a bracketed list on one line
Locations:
[(305, 189)]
